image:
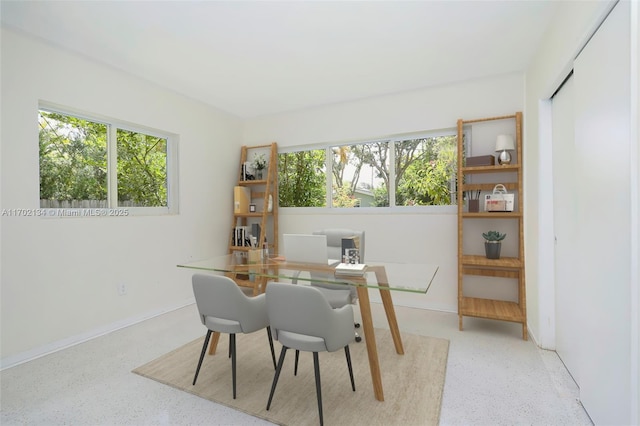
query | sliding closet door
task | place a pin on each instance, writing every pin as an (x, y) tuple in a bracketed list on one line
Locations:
[(602, 116), (567, 288)]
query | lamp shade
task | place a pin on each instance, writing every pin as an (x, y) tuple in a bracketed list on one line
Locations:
[(505, 142)]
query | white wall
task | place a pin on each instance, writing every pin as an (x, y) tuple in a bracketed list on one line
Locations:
[(413, 236), (573, 24), (60, 276)]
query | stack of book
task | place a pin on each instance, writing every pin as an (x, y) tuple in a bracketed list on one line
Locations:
[(241, 237), (352, 269)]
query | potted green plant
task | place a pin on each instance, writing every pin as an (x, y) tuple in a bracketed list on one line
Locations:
[(259, 164), (493, 243)]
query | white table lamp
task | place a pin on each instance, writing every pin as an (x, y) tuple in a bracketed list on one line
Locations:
[(504, 144)]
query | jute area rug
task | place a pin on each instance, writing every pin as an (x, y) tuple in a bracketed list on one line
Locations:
[(413, 382)]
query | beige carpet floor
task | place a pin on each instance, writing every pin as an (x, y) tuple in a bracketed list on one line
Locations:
[(413, 382)]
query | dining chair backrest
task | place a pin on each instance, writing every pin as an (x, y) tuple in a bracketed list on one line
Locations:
[(334, 248), (224, 307), (296, 312), (334, 241)]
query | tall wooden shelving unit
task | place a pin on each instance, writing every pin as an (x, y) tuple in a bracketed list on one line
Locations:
[(506, 267), (266, 191)]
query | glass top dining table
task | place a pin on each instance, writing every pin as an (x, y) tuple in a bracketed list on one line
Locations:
[(252, 269), (394, 276)]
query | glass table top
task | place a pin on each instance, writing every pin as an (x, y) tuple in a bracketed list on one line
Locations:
[(406, 277)]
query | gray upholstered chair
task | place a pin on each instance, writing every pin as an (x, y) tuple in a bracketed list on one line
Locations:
[(302, 319), (334, 241), (224, 308), (337, 294)]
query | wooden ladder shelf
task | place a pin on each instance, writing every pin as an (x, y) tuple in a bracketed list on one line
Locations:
[(255, 203)]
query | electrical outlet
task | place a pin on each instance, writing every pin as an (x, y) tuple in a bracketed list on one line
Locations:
[(122, 289)]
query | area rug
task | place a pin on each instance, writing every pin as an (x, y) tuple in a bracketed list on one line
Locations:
[(413, 382)]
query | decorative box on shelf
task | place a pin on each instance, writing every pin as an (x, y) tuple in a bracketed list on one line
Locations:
[(241, 199), (499, 201), (482, 160)]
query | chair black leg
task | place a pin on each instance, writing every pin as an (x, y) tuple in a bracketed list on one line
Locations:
[(277, 374), (316, 368), (232, 338), (273, 353), (295, 368), (229, 346), (204, 351), (348, 355)]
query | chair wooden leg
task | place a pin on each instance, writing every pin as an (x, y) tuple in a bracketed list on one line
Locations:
[(316, 368), (276, 375), (348, 355), (204, 351), (295, 367), (273, 353)]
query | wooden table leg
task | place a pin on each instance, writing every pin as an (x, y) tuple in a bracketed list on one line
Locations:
[(370, 340), (214, 343), (391, 319), (389, 310)]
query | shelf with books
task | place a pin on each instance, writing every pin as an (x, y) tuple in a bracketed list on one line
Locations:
[(255, 206)]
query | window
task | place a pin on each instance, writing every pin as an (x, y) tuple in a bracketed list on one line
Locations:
[(301, 179), (88, 162), (397, 172), (360, 175), (425, 171), (142, 169)]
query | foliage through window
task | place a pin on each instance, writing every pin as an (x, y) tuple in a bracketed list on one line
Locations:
[(425, 171), (397, 172), (360, 175), (142, 169), (301, 179), (86, 163)]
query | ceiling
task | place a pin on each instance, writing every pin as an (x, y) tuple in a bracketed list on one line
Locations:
[(255, 58)]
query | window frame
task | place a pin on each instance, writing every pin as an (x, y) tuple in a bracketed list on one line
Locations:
[(113, 125), (392, 208)]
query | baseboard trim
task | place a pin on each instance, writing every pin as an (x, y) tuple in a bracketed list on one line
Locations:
[(21, 358)]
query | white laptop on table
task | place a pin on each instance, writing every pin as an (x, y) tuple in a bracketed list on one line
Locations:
[(307, 248)]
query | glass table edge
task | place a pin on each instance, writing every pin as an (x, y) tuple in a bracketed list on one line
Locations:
[(339, 279)]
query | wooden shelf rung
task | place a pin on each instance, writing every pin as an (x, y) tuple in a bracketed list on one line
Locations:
[(492, 215), (496, 273), (490, 169), (492, 309), (503, 262), (488, 186)]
